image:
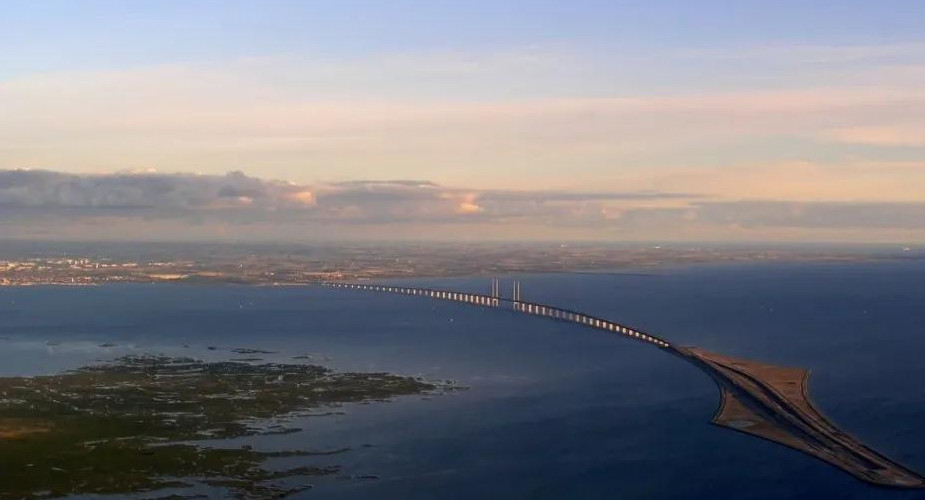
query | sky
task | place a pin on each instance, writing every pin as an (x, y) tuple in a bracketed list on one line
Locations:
[(610, 120)]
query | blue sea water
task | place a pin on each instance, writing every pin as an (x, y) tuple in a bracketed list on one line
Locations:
[(552, 410)]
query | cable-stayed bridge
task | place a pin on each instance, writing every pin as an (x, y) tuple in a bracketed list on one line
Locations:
[(763, 400), (515, 303)]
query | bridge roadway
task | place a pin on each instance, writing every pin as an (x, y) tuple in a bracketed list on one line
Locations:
[(767, 401)]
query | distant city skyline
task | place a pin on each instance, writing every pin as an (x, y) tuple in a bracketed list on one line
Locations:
[(582, 120)]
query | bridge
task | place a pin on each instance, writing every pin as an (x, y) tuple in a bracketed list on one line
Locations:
[(516, 304), (767, 401)]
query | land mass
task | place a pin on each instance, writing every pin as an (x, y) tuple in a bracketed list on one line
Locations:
[(156, 424), (81, 264)]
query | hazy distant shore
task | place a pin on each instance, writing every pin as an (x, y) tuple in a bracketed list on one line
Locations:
[(290, 266)]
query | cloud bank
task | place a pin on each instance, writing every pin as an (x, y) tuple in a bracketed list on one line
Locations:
[(238, 198), (149, 205), (46, 190)]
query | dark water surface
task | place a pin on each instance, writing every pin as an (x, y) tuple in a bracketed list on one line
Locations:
[(553, 410)]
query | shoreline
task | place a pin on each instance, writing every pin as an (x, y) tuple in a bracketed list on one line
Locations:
[(213, 277)]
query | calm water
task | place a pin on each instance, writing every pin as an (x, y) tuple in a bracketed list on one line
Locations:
[(552, 410)]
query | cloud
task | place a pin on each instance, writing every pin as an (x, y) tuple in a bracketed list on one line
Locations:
[(526, 142), (239, 199), (42, 204), (46, 190)]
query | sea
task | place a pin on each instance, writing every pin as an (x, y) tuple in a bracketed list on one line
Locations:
[(549, 410)]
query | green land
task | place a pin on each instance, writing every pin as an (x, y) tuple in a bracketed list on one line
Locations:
[(149, 424)]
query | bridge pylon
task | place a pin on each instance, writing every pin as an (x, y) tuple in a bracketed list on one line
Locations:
[(515, 295)]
